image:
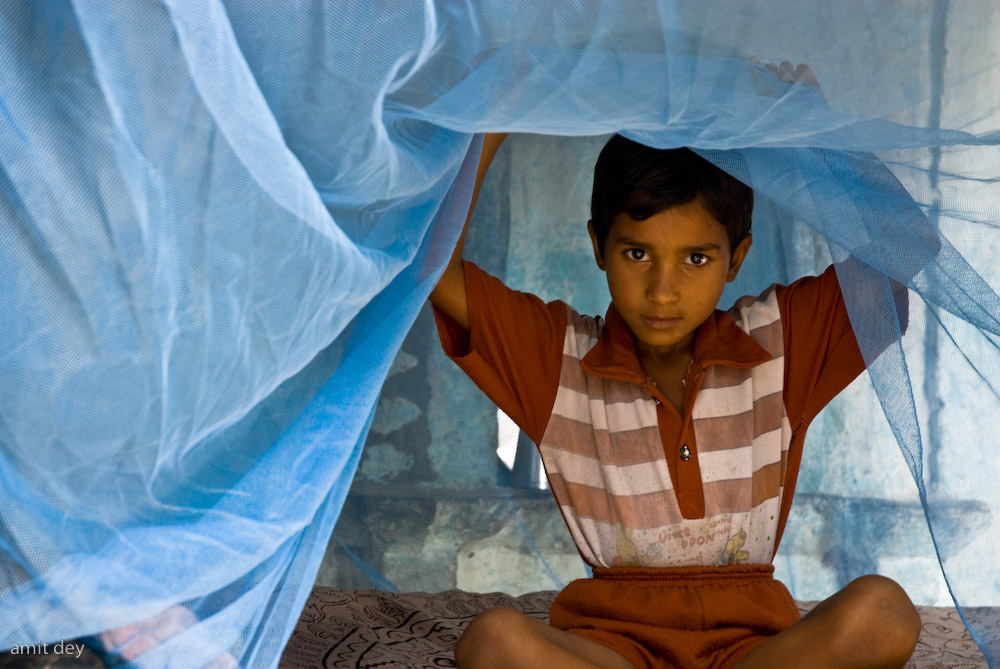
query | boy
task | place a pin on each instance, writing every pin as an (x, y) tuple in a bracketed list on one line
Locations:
[(671, 434)]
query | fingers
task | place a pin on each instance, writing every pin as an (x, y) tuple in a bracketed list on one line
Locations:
[(788, 73), (804, 75), (785, 72)]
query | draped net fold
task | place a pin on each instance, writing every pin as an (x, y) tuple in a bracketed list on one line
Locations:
[(219, 220)]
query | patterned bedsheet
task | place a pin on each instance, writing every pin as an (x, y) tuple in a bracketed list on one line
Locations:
[(358, 629)]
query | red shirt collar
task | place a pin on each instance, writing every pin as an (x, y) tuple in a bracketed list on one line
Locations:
[(717, 341)]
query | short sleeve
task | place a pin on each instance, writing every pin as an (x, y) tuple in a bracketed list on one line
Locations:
[(512, 350), (821, 352)]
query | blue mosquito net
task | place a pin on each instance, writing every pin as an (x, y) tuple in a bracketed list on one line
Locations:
[(218, 221)]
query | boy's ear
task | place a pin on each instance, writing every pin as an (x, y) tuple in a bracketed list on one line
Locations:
[(737, 257), (598, 256)]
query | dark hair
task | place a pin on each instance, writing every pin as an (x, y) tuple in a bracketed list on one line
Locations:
[(640, 181)]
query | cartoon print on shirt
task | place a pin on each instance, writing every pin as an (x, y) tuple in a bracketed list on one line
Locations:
[(628, 553), (733, 552)]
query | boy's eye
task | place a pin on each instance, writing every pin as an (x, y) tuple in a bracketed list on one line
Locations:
[(698, 259), (636, 254)]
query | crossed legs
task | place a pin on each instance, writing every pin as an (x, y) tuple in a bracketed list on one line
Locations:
[(871, 623)]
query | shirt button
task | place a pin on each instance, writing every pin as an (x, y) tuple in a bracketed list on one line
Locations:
[(657, 402), (685, 453)]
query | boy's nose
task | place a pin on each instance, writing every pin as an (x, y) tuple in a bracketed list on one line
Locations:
[(662, 288)]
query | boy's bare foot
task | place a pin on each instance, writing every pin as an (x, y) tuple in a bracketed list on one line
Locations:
[(870, 624), (132, 641), (507, 638)]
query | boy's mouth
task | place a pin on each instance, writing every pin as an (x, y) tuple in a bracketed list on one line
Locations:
[(657, 323)]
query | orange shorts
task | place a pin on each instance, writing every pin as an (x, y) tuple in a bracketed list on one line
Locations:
[(684, 617)]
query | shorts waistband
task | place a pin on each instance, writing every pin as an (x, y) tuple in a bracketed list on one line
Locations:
[(732, 574)]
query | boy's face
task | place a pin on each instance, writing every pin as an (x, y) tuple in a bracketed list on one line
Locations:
[(666, 274)]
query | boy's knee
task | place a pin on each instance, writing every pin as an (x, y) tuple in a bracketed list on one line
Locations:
[(884, 599), (490, 637), (881, 608)]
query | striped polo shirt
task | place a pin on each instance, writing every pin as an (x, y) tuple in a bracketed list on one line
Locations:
[(608, 466), (638, 483)]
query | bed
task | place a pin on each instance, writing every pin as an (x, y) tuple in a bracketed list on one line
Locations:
[(361, 629), (367, 628)]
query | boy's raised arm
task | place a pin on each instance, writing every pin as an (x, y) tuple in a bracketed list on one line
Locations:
[(449, 294)]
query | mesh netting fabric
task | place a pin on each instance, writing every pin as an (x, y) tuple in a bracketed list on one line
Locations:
[(219, 220)]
